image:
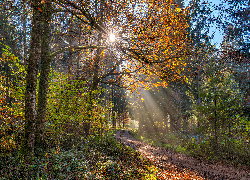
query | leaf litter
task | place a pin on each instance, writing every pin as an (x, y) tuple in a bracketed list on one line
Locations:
[(175, 165)]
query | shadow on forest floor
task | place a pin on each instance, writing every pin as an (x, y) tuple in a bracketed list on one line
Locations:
[(180, 166)]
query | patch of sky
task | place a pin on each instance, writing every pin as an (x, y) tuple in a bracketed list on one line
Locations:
[(215, 32)]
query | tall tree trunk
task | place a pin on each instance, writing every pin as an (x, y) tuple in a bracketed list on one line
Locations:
[(24, 18), (28, 139), (79, 55), (215, 126), (94, 86), (113, 112), (40, 144), (70, 60)]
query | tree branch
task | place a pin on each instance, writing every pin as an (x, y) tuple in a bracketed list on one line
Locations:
[(92, 21), (114, 83), (73, 13), (74, 47)]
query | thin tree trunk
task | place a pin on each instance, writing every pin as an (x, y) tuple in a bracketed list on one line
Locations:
[(44, 79), (94, 87), (24, 17), (96, 79), (28, 139), (215, 125), (70, 61), (113, 112), (79, 56)]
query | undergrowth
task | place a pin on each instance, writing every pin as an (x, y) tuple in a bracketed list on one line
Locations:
[(91, 159), (230, 151)]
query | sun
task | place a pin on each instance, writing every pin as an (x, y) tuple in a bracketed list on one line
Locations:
[(112, 37)]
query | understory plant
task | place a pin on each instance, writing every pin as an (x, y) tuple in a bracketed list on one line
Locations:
[(12, 87), (67, 114), (90, 159)]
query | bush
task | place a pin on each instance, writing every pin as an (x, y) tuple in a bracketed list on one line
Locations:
[(89, 159)]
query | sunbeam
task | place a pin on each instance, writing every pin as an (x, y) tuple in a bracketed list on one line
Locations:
[(153, 110)]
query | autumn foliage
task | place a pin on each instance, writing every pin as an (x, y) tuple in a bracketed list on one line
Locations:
[(76, 70)]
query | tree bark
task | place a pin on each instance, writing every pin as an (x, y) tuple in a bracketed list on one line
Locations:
[(215, 126), (24, 34), (70, 61), (94, 86), (28, 139), (40, 144)]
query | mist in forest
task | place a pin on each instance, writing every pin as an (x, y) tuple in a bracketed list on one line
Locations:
[(156, 111)]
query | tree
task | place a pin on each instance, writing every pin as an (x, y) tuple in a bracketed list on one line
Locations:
[(235, 44), (12, 100), (237, 16), (44, 77), (33, 118), (31, 81), (221, 102), (7, 32), (185, 94), (146, 56), (134, 60), (14, 30), (158, 43)]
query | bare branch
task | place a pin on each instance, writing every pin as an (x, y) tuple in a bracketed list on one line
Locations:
[(114, 83), (73, 13), (75, 47), (92, 21)]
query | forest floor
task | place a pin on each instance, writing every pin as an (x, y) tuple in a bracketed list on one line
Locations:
[(175, 165)]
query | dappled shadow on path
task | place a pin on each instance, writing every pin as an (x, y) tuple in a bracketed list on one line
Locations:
[(179, 166)]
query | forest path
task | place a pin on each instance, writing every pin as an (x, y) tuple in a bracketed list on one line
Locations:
[(180, 166)]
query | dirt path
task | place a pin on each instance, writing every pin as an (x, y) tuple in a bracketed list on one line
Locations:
[(179, 166)]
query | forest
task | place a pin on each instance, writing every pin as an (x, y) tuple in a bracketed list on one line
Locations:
[(124, 89)]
